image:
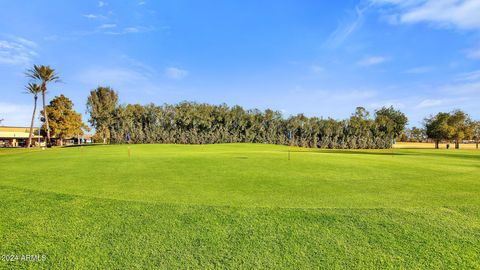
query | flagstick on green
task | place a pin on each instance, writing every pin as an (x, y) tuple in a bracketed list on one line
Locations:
[(289, 135)]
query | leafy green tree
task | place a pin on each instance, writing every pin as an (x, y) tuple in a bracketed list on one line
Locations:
[(45, 75), (391, 121), (101, 104), (461, 125), (416, 134), (359, 128), (34, 89), (64, 122), (438, 128), (476, 132)]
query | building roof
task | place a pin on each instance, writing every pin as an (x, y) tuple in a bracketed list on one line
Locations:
[(17, 132), (23, 133)]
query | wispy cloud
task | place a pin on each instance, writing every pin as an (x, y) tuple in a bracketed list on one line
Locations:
[(346, 28), (473, 53), (418, 70), (460, 14), (337, 95), (469, 76), (15, 114), (325, 102), (132, 82), (111, 76), (462, 90), (17, 51), (387, 103), (428, 103), (106, 29), (128, 30), (94, 16), (176, 73), (354, 95), (470, 88), (124, 79), (24, 41), (139, 65), (107, 26), (316, 69), (371, 61), (101, 4)]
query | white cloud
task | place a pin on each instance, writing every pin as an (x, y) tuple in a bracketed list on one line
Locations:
[(141, 66), (17, 51), (131, 30), (91, 16), (101, 4), (474, 53), (398, 104), (418, 70), (337, 95), (461, 14), (129, 81), (468, 88), (372, 60), (469, 76), (25, 42), (107, 29), (316, 69), (107, 25), (353, 95), (345, 29), (176, 73), (16, 114), (110, 76), (428, 103)]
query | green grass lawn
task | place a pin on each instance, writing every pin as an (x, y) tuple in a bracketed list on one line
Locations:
[(240, 206)]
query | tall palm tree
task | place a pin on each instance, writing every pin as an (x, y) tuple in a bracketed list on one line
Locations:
[(45, 74), (34, 89)]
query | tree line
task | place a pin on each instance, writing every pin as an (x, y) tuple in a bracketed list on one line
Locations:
[(200, 123), (455, 126)]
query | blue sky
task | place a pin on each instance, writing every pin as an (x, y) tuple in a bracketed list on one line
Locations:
[(322, 58)]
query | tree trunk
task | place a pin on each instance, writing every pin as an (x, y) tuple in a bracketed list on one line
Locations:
[(47, 125), (436, 144), (457, 144), (31, 123), (477, 144)]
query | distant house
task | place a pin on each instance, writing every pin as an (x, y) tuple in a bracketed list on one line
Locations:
[(18, 136)]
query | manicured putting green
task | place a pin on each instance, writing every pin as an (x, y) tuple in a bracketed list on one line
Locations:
[(240, 206)]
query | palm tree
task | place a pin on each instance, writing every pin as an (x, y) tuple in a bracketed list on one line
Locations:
[(34, 89), (44, 74)]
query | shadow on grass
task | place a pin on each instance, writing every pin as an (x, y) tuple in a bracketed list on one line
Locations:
[(394, 152), (83, 145), (453, 154), (385, 152)]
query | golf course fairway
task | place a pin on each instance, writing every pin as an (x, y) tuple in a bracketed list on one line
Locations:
[(242, 206)]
